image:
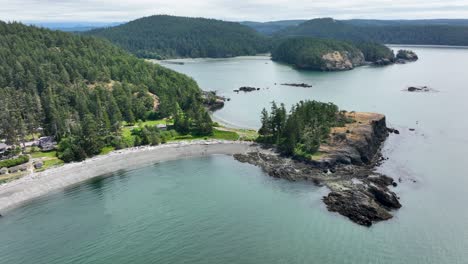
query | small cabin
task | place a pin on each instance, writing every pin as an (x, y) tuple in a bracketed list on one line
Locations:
[(47, 143)]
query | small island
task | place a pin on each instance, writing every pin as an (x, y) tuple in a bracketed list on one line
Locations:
[(335, 55), (406, 55), (331, 148)]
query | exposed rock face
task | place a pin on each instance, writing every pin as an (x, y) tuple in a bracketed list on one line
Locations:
[(346, 167), (341, 60), (383, 62)]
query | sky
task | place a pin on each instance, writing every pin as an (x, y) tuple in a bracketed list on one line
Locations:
[(234, 10)]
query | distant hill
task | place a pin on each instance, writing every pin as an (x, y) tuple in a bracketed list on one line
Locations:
[(268, 28), (164, 36), (74, 26), (369, 30), (418, 22)]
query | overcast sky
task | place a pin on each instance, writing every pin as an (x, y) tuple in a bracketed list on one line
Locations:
[(236, 10)]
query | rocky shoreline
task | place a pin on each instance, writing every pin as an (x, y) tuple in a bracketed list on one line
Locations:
[(346, 166)]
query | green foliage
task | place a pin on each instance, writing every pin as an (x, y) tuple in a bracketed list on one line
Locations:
[(300, 132), (14, 162), (164, 36), (71, 149), (401, 33), (374, 51)]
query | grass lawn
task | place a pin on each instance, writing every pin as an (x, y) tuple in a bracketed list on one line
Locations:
[(106, 150), (48, 163), (217, 134), (40, 154)]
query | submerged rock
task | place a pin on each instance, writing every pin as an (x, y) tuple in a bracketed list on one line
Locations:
[(304, 85)]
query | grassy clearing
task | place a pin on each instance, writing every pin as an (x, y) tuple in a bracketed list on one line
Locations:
[(106, 150), (217, 134), (40, 154)]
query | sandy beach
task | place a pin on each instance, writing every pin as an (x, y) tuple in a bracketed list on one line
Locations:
[(15, 193)]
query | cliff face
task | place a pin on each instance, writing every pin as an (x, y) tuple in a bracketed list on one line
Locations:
[(345, 164), (341, 60), (356, 143)]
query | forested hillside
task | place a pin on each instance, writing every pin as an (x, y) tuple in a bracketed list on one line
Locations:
[(328, 54), (164, 36), (427, 34), (269, 28), (79, 89)]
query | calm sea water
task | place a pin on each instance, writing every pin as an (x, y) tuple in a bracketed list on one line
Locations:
[(216, 210)]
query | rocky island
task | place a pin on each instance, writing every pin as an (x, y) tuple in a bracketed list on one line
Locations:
[(335, 55), (343, 159), (406, 55)]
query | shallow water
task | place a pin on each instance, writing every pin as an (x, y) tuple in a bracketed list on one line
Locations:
[(216, 210)]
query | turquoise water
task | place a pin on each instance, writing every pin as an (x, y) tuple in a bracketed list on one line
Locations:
[(216, 210)]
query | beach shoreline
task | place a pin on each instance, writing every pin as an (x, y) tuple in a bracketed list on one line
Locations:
[(15, 193)]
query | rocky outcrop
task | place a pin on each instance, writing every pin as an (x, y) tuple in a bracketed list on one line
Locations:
[(407, 55), (383, 62), (213, 101), (420, 89), (246, 89), (341, 60), (346, 166)]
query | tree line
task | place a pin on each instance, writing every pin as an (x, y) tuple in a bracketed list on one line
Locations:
[(300, 131), (389, 33)]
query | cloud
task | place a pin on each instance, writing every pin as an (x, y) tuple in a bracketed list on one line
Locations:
[(257, 10)]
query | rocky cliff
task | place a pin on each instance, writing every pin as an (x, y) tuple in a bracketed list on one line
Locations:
[(341, 60), (345, 164)]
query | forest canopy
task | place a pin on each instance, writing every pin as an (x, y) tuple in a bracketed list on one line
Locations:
[(301, 131), (80, 89), (389, 33)]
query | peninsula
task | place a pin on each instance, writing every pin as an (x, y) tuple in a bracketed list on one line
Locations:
[(330, 148)]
